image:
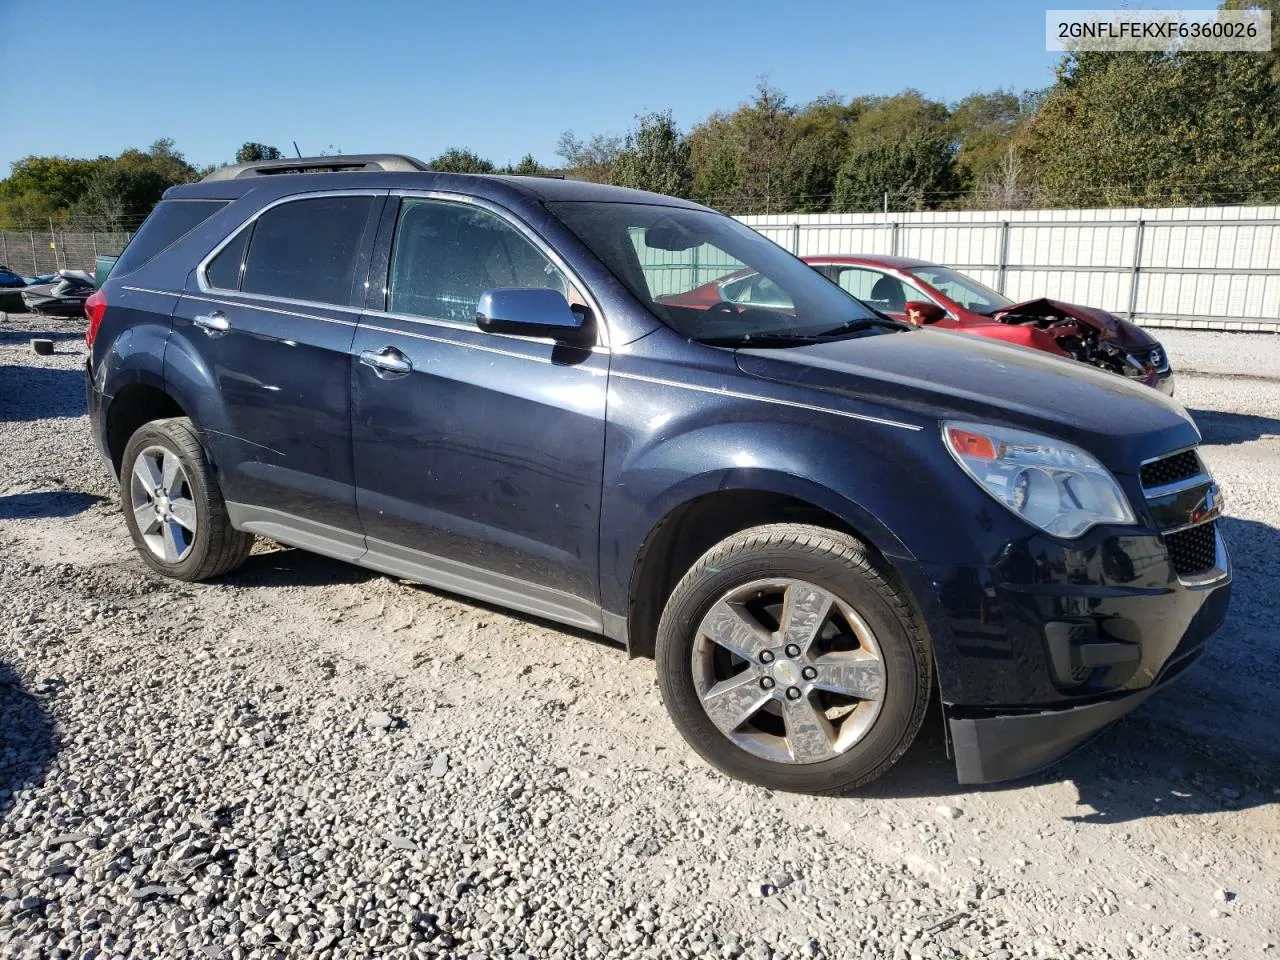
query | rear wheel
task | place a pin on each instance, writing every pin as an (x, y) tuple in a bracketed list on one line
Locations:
[(173, 506), (787, 658)]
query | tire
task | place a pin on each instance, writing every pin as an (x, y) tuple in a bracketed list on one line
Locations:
[(871, 620), (192, 498)]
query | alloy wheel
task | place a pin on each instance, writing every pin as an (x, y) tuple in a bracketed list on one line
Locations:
[(162, 503), (788, 671)]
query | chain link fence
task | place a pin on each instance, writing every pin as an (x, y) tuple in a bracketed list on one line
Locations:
[(32, 252)]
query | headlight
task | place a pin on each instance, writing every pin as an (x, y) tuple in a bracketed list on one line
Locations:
[(1050, 484)]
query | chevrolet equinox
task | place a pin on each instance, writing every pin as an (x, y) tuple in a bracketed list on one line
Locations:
[(813, 517)]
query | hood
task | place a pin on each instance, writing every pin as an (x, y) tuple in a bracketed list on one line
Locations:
[(1122, 333), (932, 374)]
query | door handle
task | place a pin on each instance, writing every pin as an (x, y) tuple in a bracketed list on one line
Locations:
[(387, 362), (213, 324)]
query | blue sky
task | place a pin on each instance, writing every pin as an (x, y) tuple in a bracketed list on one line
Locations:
[(501, 78)]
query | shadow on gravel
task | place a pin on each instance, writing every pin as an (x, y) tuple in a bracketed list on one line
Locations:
[(1134, 770), (1221, 428), (27, 740), (290, 567), (40, 393), (46, 503)]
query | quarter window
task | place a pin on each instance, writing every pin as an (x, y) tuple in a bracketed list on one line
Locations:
[(447, 254), (223, 271), (307, 249)]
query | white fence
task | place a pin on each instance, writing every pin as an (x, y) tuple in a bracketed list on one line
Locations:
[(1215, 268)]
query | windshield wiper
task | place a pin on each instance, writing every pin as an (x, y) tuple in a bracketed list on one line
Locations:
[(866, 323), (761, 339), (784, 339)]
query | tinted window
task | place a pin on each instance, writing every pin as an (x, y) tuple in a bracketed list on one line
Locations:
[(447, 254), (169, 221), (307, 249), (223, 271)]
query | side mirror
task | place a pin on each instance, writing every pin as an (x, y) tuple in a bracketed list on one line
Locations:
[(530, 312), (926, 312)]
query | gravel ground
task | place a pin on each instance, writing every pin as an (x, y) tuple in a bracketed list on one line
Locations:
[(310, 760)]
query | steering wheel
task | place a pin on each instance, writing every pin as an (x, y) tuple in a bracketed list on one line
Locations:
[(738, 311), (727, 307)]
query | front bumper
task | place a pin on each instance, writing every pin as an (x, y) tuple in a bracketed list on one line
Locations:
[(990, 746), (1048, 646)]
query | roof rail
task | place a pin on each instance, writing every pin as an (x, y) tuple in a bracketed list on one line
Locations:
[(388, 162)]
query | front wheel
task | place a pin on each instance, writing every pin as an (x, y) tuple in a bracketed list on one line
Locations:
[(788, 659), (173, 506)]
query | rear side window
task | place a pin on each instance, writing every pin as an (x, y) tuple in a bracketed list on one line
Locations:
[(171, 220), (307, 249)]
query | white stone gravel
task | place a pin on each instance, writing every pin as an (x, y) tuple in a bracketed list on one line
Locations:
[(309, 760)]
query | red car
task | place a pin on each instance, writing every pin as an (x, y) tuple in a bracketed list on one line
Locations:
[(941, 297)]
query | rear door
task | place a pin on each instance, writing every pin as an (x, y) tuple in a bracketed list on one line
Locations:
[(271, 319), (478, 457)]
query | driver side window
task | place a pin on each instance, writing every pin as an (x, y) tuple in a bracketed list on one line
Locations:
[(884, 292), (447, 254)]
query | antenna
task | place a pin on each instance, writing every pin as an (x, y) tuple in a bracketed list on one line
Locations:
[(296, 150)]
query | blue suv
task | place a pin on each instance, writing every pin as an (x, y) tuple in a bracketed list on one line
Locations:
[(815, 518)]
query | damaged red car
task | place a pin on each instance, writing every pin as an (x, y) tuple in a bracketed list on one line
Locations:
[(910, 289)]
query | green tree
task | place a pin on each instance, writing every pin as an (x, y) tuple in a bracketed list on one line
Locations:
[(717, 180), (984, 126), (124, 190), (904, 115), (1159, 128), (256, 152), (654, 157), (60, 181), (456, 160), (527, 167), (761, 129), (916, 172), (592, 159), (818, 141)]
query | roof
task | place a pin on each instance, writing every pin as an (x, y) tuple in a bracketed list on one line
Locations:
[(395, 172), (870, 259)]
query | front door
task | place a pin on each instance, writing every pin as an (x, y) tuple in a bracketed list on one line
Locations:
[(478, 457), (271, 321)]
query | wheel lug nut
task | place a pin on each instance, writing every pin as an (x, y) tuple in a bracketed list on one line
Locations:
[(809, 673), (766, 657), (766, 682), (793, 651), (793, 693)]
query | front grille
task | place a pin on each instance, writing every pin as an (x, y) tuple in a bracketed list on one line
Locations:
[(1155, 357), (1193, 551), (1171, 469)]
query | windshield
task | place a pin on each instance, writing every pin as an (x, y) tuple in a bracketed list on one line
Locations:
[(966, 291), (712, 279)]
